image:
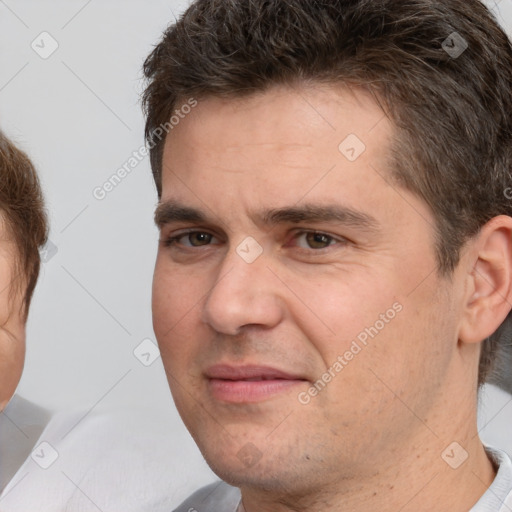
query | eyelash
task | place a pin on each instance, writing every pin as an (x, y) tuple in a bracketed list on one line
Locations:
[(174, 240)]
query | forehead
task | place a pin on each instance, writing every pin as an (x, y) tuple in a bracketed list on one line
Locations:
[(278, 148), (284, 117)]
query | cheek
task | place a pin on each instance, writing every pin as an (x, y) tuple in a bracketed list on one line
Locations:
[(410, 356), (167, 295), (176, 303), (12, 356), (375, 342), (337, 311), (12, 336)]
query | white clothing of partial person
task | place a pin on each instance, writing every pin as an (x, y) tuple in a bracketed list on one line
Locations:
[(122, 461), (221, 497)]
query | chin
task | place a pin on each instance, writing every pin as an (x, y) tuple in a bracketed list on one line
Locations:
[(256, 477)]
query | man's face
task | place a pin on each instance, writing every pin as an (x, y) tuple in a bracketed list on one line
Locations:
[(12, 324), (289, 257)]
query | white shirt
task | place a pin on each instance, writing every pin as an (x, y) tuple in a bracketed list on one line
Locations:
[(221, 497), (79, 462), (498, 498)]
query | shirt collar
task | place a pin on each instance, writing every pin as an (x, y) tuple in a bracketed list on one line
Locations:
[(498, 497)]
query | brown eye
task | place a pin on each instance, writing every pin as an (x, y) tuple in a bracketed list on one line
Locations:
[(198, 239), (314, 240), (318, 240), (191, 239)]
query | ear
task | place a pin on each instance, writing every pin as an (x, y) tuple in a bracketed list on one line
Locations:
[(489, 287)]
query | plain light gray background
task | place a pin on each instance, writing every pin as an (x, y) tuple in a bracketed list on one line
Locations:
[(77, 114)]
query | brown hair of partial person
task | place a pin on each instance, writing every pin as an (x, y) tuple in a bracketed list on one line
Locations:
[(452, 113), (23, 214)]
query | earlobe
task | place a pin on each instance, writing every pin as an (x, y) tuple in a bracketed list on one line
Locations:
[(489, 290)]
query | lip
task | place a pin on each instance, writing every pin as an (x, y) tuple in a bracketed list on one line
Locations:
[(249, 383)]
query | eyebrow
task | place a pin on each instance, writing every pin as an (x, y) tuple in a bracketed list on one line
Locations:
[(315, 213), (170, 211)]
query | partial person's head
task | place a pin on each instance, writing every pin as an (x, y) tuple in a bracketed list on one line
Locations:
[(334, 219), (23, 231)]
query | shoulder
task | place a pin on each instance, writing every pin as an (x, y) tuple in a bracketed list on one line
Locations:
[(136, 462), (130, 460), (216, 497)]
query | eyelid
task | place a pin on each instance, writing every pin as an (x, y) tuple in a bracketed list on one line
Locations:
[(338, 238), (172, 230), (173, 237)]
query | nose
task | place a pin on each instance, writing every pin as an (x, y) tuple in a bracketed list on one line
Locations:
[(245, 294)]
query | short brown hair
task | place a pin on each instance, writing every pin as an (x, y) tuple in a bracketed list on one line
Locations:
[(442, 69), (23, 214)]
